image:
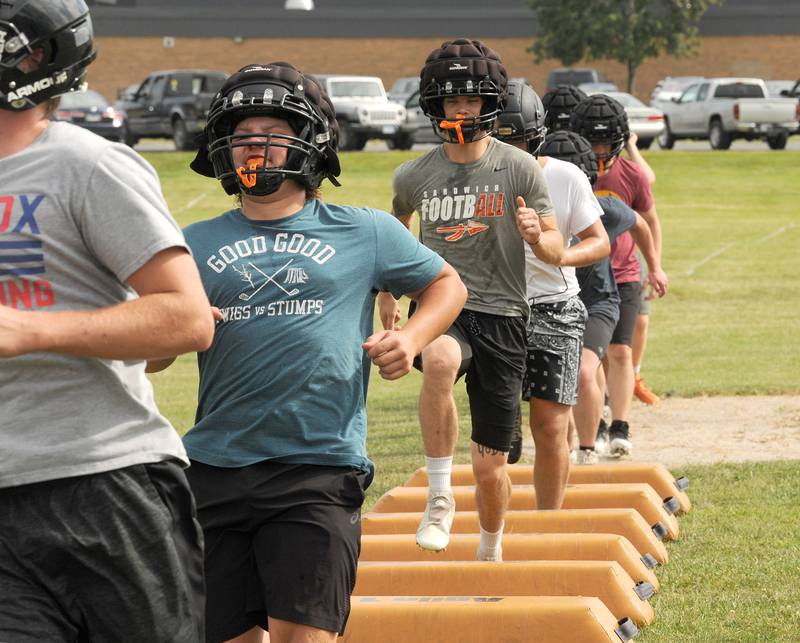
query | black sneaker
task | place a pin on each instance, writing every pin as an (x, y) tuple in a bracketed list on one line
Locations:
[(515, 453), (620, 443), (601, 442)]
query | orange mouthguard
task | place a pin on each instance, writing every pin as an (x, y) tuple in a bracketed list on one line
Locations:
[(456, 125), (248, 176)]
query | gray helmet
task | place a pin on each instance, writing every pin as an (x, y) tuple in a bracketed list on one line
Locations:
[(522, 119), (59, 32)]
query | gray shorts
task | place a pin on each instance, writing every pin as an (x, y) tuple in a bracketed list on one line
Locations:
[(113, 556), (555, 340)]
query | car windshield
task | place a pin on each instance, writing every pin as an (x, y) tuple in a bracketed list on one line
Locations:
[(359, 88), (626, 99), (88, 98), (739, 90)]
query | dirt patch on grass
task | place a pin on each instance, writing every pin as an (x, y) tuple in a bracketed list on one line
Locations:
[(698, 430)]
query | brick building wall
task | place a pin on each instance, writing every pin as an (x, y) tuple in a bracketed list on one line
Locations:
[(124, 61)]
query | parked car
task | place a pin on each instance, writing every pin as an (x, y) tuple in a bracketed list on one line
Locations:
[(724, 109), (403, 88), (646, 122), (598, 88), (171, 104), (91, 110), (574, 76), (777, 87), (364, 111), (672, 87), (417, 127)]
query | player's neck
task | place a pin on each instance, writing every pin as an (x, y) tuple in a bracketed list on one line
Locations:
[(288, 199), (19, 129), (467, 153)]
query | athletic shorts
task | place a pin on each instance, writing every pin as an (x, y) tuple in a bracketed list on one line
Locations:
[(628, 310), (113, 556), (597, 335), (493, 360), (555, 339), (282, 541)]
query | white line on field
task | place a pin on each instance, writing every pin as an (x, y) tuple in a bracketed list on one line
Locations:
[(708, 258), (775, 233), (192, 203)]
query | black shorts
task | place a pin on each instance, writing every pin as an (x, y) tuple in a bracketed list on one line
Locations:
[(597, 335), (282, 540), (493, 360), (628, 310), (113, 556)]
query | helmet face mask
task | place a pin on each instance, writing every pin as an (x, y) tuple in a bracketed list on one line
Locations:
[(45, 47), (462, 68), (522, 121), (243, 159)]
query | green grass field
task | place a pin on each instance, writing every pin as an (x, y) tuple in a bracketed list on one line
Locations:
[(729, 325)]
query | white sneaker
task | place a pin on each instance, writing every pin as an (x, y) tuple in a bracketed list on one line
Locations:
[(620, 439), (601, 443), (573, 456), (491, 557), (433, 533), (584, 456)]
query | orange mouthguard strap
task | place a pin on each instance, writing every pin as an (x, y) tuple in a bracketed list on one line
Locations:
[(456, 125)]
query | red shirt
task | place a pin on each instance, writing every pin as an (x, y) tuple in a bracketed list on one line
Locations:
[(627, 182)]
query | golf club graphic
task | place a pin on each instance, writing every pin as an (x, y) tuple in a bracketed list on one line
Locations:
[(269, 278)]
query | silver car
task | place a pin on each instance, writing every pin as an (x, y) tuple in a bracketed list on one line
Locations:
[(417, 127), (646, 122)]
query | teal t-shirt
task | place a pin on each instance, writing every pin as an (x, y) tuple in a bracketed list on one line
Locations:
[(286, 376)]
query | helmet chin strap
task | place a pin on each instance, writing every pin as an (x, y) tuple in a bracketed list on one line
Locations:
[(454, 125), (601, 167)]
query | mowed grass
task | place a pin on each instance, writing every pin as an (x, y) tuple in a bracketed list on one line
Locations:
[(728, 326)]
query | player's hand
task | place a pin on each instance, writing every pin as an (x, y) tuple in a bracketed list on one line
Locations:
[(528, 222), (389, 311), (658, 281), (392, 351), (216, 313), (630, 144), (12, 335)]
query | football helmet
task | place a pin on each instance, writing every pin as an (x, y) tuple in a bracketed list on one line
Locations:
[(559, 103), (522, 119), (602, 120), (573, 148)]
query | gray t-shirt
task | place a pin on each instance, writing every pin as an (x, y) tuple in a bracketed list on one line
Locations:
[(78, 216), (468, 216)]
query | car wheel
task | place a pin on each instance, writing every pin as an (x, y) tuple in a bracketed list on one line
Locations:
[(126, 137), (718, 138), (644, 143), (400, 142), (666, 140), (360, 142), (180, 135), (778, 141)]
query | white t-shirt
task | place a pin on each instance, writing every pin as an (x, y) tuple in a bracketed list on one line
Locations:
[(576, 209)]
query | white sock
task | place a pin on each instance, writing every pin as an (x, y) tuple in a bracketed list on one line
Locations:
[(439, 470), (490, 542), (636, 369)]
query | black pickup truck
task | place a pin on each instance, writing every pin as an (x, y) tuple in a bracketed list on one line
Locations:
[(170, 104)]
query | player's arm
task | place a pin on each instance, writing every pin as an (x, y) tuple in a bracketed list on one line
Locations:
[(541, 233), (388, 306), (171, 316), (592, 247), (636, 156), (653, 222), (438, 304), (656, 277)]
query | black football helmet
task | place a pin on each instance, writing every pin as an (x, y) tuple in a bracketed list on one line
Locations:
[(573, 148), (601, 120), (280, 90), (463, 68), (522, 119), (559, 103), (45, 47)]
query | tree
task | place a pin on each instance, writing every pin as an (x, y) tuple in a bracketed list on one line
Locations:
[(629, 31)]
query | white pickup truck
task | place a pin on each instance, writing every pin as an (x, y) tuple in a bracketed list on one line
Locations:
[(724, 109)]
